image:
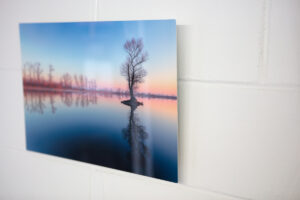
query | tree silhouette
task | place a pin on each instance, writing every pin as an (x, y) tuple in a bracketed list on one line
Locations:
[(66, 80), (77, 84), (38, 71), (132, 69), (51, 69)]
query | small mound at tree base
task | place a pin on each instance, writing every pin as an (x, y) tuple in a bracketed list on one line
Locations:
[(132, 103)]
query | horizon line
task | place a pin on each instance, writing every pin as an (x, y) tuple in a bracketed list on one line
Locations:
[(104, 91)]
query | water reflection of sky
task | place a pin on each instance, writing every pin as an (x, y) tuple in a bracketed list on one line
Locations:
[(100, 130)]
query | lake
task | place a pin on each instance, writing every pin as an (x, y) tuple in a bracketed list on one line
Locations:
[(98, 129)]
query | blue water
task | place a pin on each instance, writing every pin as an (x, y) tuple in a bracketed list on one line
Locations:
[(99, 129)]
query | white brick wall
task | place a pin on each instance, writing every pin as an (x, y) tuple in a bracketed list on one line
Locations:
[(239, 103)]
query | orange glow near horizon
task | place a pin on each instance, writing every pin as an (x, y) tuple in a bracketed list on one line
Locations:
[(164, 83), (169, 107)]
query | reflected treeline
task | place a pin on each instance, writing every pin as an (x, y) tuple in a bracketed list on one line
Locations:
[(34, 102), (135, 134), (38, 102)]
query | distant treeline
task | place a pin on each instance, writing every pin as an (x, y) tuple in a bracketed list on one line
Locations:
[(34, 79)]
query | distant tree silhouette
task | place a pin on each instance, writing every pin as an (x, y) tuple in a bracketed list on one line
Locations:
[(81, 81), (77, 84), (32, 73), (31, 70), (33, 77), (66, 80), (132, 69), (38, 72), (50, 77)]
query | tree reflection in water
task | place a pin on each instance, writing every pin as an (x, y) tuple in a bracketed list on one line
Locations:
[(135, 134), (35, 102), (52, 104)]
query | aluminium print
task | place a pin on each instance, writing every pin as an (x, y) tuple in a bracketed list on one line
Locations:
[(104, 93)]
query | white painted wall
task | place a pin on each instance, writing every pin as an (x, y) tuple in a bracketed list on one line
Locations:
[(239, 103)]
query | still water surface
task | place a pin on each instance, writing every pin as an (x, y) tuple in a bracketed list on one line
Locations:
[(99, 129)]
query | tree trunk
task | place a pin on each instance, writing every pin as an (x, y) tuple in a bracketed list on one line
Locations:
[(132, 98)]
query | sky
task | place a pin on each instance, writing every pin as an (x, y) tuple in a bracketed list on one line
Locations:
[(95, 49)]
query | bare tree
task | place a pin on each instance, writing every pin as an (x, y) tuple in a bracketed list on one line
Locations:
[(85, 83), (51, 69), (77, 84), (31, 72), (132, 69), (38, 71), (81, 81), (67, 80), (94, 82)]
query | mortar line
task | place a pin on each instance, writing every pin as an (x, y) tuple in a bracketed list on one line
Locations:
[(242, 84), (264, 43)]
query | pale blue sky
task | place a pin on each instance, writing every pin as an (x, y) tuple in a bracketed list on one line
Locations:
[(96, 48)]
